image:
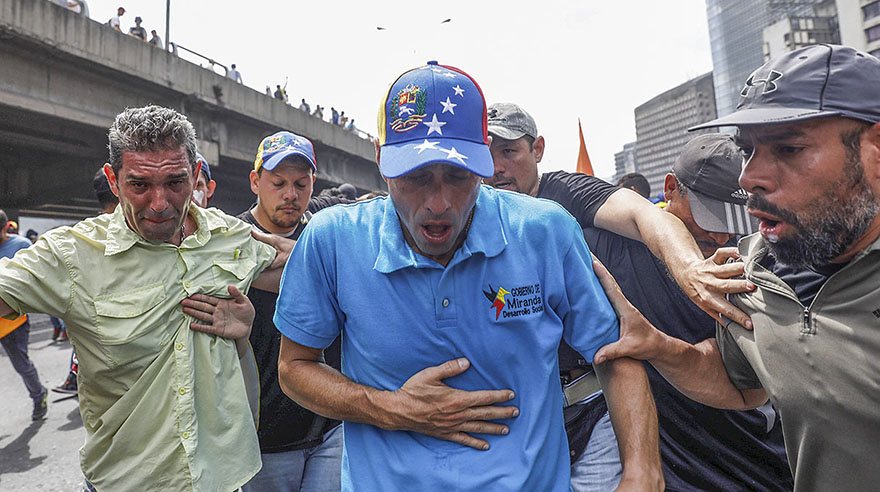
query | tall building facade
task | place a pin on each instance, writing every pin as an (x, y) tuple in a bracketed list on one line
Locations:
[(662, 123), (736, 29), (625, 161), (791, 32), (860, 24)]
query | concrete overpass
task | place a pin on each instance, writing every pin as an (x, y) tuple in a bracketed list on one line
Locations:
[(64, 77)]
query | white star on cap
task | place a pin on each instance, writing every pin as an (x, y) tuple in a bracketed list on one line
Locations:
[(449, 74), (458, 91), (426, 145), (448, 106), (454, 154), (434, 125)]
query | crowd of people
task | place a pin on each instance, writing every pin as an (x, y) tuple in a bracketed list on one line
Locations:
[(457, 333)]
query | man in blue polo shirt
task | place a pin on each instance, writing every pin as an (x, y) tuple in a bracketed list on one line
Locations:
[(451, 299)]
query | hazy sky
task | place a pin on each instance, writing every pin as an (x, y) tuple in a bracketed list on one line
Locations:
[(560, 60)]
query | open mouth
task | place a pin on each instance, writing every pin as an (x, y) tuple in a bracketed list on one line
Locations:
[(504, 185), (436, 233), (769, 225)]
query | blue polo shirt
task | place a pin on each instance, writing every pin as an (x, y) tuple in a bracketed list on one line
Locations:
[(522, 280)]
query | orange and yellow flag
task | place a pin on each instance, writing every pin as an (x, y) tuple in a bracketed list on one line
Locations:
[(583, 165)]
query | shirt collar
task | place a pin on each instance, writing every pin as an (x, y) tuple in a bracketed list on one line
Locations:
[(486, 236), (121, 238)]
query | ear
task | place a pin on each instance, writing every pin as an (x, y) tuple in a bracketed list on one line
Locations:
[(378, 150), (670, 186), (538, 147), (314, 178), (870, 154), (196, 173), (254, 178), (111, 178), (212, 185)]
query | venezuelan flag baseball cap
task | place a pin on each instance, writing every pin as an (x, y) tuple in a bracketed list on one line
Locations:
[(275, 148), (434, 114)]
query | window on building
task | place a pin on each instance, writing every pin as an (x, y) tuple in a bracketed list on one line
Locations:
[(873, 33), (871, 10), (876, 53)]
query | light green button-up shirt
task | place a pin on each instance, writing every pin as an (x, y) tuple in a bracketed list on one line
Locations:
[(164, 407)]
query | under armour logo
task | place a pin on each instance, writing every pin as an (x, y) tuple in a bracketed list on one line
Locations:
[(769, 84), (740, 194)]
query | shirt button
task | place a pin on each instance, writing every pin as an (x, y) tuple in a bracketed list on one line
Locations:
[(185, 435), (182, 391), (445, 302), (186, 284), (178, 346)]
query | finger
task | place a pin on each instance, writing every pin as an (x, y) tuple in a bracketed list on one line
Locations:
[(199, 315), (204, 298), (727, 270), (270, 239), (204, 328), (482, 398), (488, 412), (464, 439), (202, 307), (478, 427), (445, 370), (732, 286), (718, 306), (721, 255)]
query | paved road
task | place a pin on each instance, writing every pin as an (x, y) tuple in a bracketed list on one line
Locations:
[(39, 456)]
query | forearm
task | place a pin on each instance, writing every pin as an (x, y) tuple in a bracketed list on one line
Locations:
[(325, 391), (668, 239), (269, 279), (698, 372), (629, 215), (633, 416)]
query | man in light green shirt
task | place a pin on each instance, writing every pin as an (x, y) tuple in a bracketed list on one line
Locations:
[(164, 406)]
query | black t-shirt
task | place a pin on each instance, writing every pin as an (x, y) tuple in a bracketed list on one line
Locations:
[(284, 425), (805, 282), (581, 196), (702, 448)]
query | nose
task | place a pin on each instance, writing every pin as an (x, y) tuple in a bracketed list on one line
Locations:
[(756, 175), (720, 238), (290, 193), (158, 200), (436, 201)]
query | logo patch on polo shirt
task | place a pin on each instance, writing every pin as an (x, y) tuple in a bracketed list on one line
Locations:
[(516, 302)]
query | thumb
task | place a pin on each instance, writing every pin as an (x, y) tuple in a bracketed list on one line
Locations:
[(608, 352), (236, 294)]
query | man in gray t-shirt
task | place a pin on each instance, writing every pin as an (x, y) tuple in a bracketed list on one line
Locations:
[(809, 123)]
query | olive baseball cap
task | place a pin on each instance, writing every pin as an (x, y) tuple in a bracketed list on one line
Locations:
[(510, 122), (812, 82), (709, 167)]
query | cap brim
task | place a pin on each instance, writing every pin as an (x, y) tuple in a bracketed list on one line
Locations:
[(276, 159), (716, 216), (395, 160), (505, 133), (765, 116)]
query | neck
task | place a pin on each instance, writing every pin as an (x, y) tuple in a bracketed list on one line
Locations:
[(534, 190)]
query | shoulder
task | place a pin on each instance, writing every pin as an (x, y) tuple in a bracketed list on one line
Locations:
[(218, 219), (347, 215), (17, 242), (573, 180), (528, 214)]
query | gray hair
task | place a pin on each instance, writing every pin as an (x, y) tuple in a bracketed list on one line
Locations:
[(150, 128)]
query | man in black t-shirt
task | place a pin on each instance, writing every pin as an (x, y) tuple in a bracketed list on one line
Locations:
[(300, 449), (516, 150), (702, 448)]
